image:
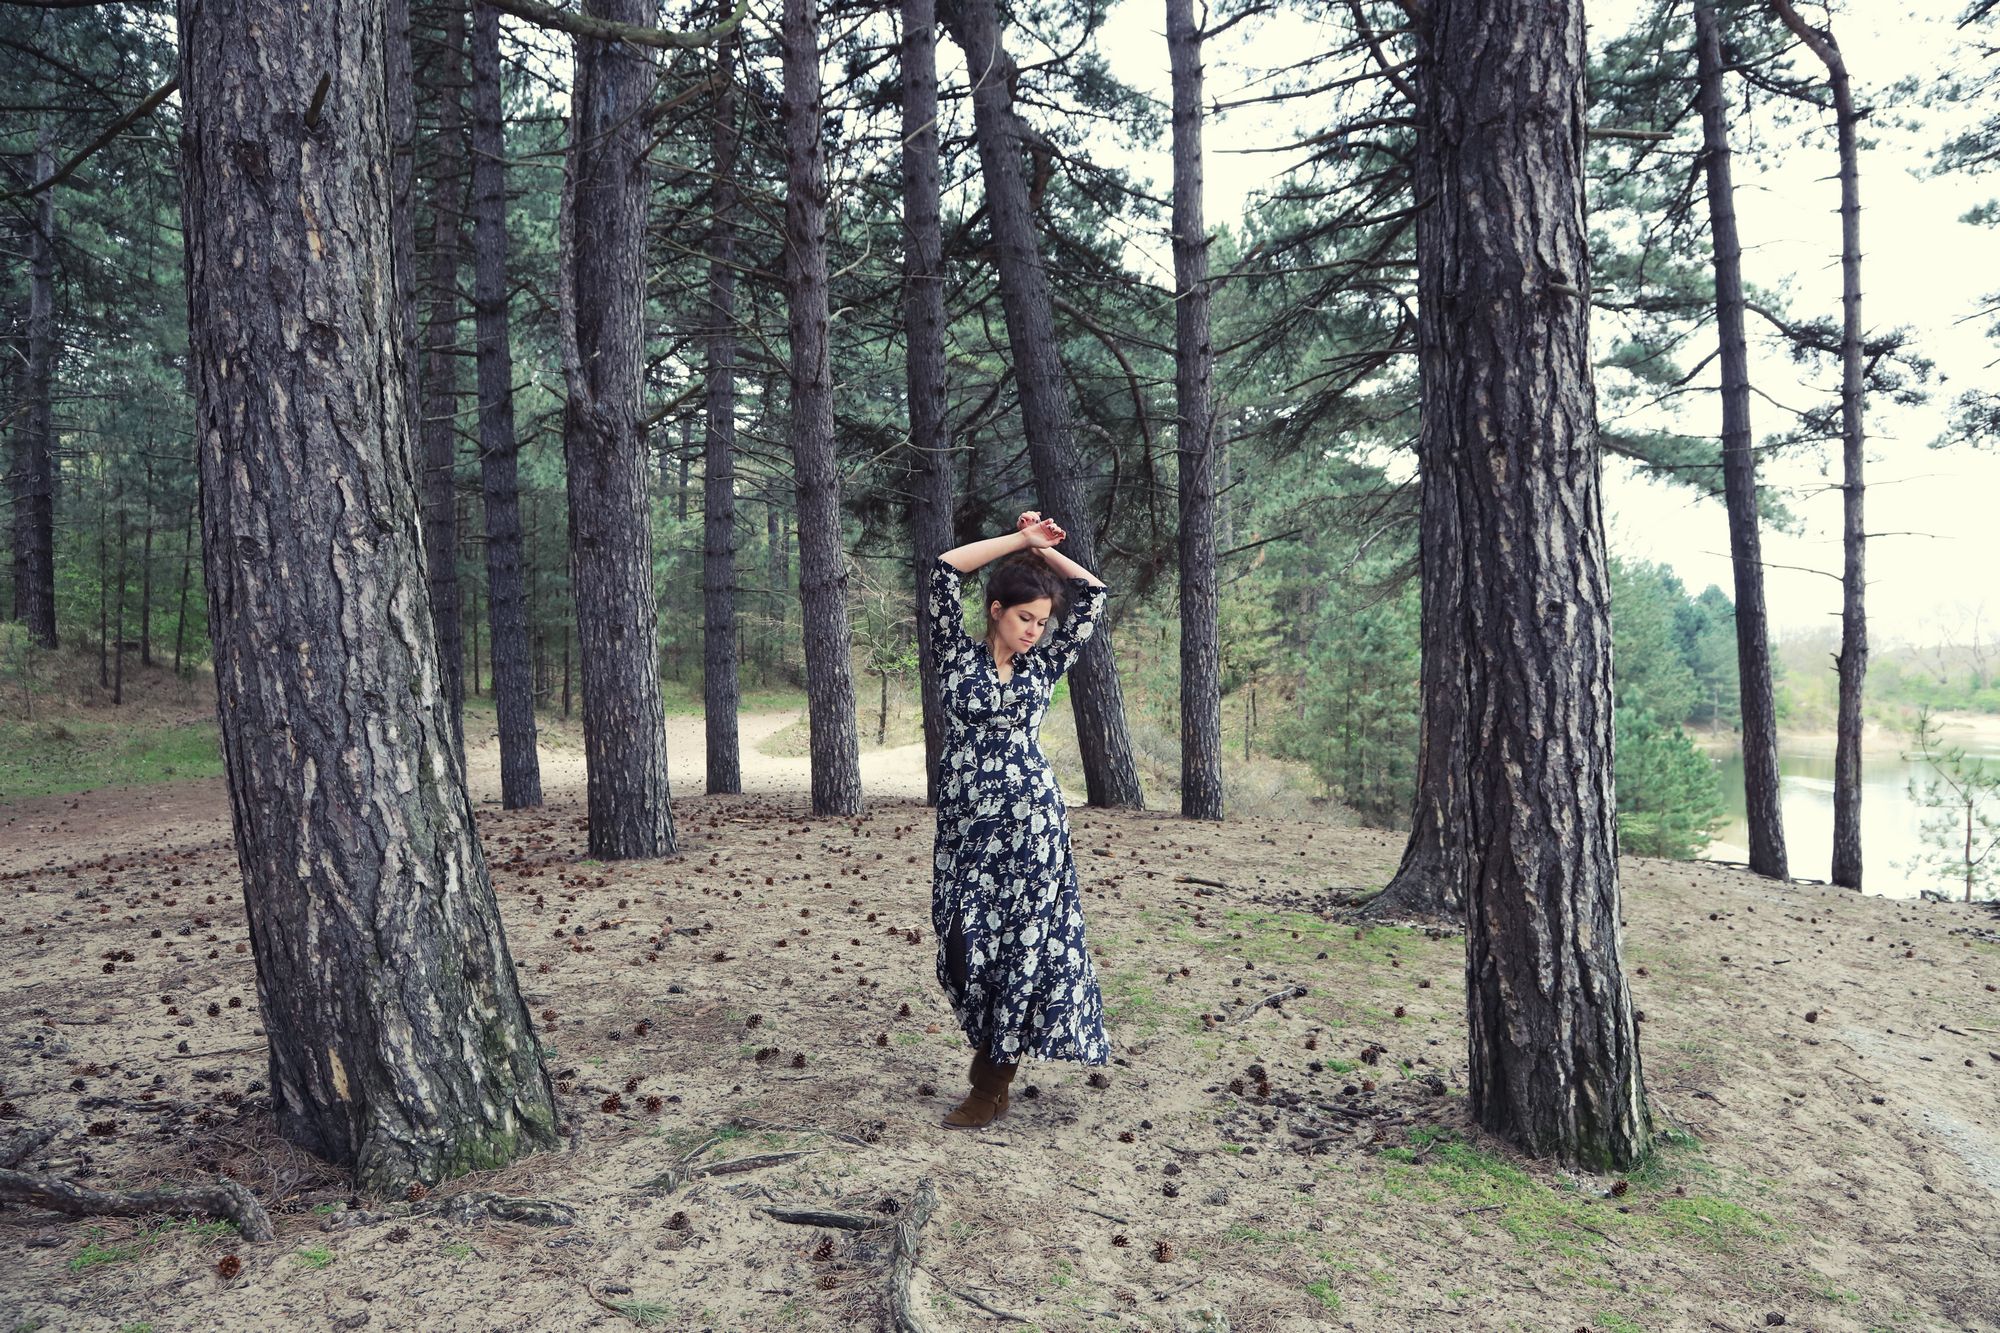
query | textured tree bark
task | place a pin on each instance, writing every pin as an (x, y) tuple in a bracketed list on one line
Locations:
[(834, 745), (923, 338), (610, 511), (35, 461), (1503, 281), (1194, 364), (399, 1042), (1853, 660), (438, 432), (499, 452), (721, 669), (1739, 468), (1110, 772)]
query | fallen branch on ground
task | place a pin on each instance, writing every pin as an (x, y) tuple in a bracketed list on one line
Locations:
[(681, 1175), (1289, 992), (818, 1217), (225, 1198), (902, 1317), (744, 1122)]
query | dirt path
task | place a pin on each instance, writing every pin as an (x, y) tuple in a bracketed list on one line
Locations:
[(1827, 1068), (54, 830)]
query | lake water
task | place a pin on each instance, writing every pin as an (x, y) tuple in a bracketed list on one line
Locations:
[(1891, 823)]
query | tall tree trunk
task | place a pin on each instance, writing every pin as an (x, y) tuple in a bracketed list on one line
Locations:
[(610, 514), (445, 191), (399, 1042), (400, 75), (1429, 883), (1739, 468), (104, 581), (118, 614), (1853, 660), (835, 745), (146, 572), (472, 624), (779, 603), (721, 685), (187, 570), (923, 338), (499, 451), (1110, 772), (35, 467), (1508, 404), (1194, 365)]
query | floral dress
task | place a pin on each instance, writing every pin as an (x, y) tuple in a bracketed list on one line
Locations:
[(1004, 881)]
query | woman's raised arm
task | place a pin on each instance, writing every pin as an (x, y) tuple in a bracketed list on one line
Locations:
[(972, 555)]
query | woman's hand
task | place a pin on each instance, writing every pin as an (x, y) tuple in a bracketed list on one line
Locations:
[(1042, 533)]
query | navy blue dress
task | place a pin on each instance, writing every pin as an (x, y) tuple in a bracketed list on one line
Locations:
[(1011, 951)]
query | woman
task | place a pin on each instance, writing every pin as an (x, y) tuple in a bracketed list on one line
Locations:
[(1011, 951)]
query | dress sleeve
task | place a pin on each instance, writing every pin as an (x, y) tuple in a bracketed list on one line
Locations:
[(1086, 607), (944, 614)]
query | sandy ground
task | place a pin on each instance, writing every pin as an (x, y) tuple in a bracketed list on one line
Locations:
[(1827, 1067)]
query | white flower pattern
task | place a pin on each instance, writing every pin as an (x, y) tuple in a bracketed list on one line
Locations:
[(1002, 869)]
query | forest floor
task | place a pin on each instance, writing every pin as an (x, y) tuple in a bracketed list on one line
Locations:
[(1825, 1070)]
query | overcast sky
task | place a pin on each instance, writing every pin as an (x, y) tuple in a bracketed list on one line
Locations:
[(1922, 268)]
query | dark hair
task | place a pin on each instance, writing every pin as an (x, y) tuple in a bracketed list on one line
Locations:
[(1023, 578)]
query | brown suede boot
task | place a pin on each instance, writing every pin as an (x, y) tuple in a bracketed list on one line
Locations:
[(979, 1062), (987, 1099)]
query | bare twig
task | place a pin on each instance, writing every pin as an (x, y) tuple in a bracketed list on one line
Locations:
[(971, 1299)]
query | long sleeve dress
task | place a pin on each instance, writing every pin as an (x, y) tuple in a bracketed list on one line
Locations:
[(1004, 899)]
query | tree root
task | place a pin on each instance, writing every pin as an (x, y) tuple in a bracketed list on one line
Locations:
[(225, 1198), (903, 1317), (20, 1147), (480, 1205)]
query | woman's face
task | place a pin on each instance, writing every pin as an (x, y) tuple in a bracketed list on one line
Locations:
[(1020, 627)]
